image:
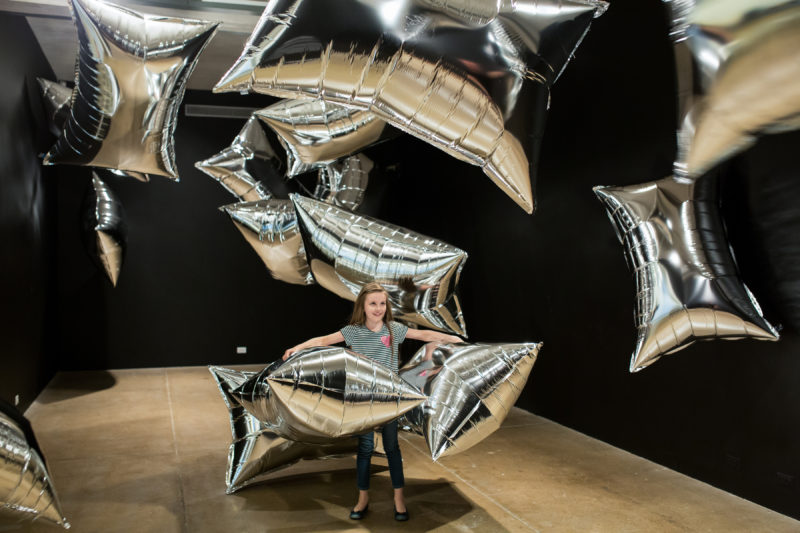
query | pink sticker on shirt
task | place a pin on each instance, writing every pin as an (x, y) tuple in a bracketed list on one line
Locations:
[(385, 340)]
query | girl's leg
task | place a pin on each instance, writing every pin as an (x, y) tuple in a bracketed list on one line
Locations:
[(392, 449), (365, 447)]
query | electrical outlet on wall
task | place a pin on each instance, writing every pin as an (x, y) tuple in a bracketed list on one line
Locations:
[(16, 399), (241, 349)]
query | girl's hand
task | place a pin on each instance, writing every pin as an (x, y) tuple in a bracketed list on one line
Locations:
[(451, 339), (288, 352)]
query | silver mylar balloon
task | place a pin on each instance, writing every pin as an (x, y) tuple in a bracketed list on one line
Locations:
[(26, 490), (343, 183), (270, 227), (470, 389), (346, 251), (316, 133), (232, 167), (56, 99), (471, 78), (105, 231), (687, 284), (129, 82), (738, 69), (320, 394), (256, 450)]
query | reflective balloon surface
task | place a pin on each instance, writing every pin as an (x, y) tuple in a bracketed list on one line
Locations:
[(256, 450), (320, 394), (687, 284), (316, 133), (26, 490), (56, 100), (270, 227), (130, 79), (346, 251), (471, 78), (738, 73), (235, 167), (343, 183), (470, 389), (105, 230)]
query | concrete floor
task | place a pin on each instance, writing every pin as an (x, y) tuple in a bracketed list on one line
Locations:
[(146, 450)]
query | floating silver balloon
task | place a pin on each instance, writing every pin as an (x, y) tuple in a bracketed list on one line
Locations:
[(129, 82), (343, 183), (470, 389), (471, 78), (26, 489), (256, 450), (316, 133), (105, 231), (346, 251), (738, 73), (56, 100), (233, 166), (687, 284), (320, 394), (270, 227)]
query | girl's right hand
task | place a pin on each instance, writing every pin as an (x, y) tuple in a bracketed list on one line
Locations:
[(288, 352)]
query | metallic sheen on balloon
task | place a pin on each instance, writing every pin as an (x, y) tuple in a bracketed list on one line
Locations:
[(105, 231)]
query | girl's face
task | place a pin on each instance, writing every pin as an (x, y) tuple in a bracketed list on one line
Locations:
[(375, 306)]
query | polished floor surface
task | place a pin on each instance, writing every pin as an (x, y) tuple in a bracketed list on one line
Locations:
[(145, 450)]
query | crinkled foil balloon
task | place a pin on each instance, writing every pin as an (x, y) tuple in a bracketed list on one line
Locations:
[(471, 78), (56, 99), (343, 183), (129, 82), (240, 167), (470, 389), (270, 227), (26, 490), (320, 394), (105, 230), (346, 251), (738, 73), (687, 284), (256, 450), (316, 133)]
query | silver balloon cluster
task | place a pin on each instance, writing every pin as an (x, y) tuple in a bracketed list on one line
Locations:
[(471, 78), (470, 389), (346, 251), (26, 489), (310, 406), (729, 55), (130, 79), (105, 231)]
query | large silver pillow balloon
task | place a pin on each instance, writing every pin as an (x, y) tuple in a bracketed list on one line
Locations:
[(321, 394), (738, 73), (233, 166), (343, 183), (26, 489), (470, 389), (129, 82), (687, 284), (105, 231), (471, 78), (256, 450), (316, 133), (270, 228), (346, 251)]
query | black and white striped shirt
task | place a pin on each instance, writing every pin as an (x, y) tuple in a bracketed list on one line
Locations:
[(375, 345)]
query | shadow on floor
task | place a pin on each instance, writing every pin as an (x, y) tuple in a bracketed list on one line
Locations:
[(66, 385)]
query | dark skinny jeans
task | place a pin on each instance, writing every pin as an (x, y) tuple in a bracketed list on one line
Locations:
[(366, 443)]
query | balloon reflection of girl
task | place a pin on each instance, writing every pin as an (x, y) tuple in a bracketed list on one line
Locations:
[(373, 333)]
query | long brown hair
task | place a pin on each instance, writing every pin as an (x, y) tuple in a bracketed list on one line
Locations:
[(359, 317)]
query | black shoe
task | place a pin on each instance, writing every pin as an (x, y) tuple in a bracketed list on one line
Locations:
[(358, 515), (400, 517)]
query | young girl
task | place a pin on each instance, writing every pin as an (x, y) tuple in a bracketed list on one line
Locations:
[(372, 333)]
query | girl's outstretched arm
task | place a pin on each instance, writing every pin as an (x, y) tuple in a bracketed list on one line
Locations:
[(427, 335), (326, 340)]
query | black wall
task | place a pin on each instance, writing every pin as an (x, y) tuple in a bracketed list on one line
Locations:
[(726, 412), (27, 216)]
